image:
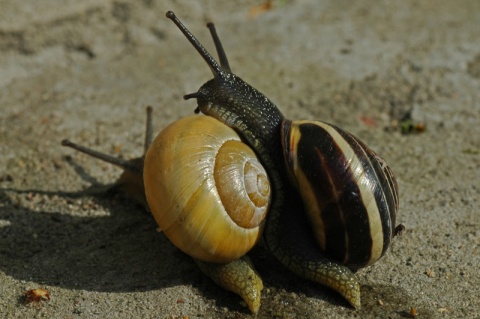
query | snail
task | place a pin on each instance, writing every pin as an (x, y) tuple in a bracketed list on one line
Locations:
[(324, 203)]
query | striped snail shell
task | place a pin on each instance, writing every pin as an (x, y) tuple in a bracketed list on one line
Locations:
[(206, 189), (349, 192)]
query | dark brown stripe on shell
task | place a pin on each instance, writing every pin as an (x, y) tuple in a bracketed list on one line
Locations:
[(343, 210), (385, 190)]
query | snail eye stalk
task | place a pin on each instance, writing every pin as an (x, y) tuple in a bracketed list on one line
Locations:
[(214, 66)]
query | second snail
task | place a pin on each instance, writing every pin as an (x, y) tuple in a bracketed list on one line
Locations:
[(323, 201)]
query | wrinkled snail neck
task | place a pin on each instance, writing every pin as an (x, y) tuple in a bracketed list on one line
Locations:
[(234, 102)]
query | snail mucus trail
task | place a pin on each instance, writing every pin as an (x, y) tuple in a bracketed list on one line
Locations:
[(338, 188)]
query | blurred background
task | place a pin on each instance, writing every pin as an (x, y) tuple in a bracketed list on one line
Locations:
[(402, 76)]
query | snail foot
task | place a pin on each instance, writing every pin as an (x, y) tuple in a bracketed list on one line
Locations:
[(238, 276)]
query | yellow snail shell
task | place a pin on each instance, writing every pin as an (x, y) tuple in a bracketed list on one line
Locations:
[(206, 189)]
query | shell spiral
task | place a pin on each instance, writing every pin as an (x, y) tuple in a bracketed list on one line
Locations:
[(206, 189), (349, 192)]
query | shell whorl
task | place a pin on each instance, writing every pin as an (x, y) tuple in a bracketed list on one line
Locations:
[(202, 190), (349, 192)]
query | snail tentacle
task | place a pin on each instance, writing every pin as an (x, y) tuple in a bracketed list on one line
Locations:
[(125, 164), (238, 276), (148, 130), (130, 181), (214, 66), (219, 47)]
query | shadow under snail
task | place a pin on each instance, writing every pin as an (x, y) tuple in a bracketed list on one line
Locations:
[(324, 202)]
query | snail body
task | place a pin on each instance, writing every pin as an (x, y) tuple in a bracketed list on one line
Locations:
[(325, 202)]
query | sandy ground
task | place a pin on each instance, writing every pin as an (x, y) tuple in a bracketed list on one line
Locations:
[(85, 70)]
